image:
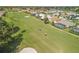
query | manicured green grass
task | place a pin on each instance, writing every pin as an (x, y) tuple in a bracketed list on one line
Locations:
[(55, 40)]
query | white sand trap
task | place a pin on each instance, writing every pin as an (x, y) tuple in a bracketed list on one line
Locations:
[(27, 16), (28, 50)]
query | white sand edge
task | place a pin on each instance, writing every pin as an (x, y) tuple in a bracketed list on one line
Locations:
[(28, 50)]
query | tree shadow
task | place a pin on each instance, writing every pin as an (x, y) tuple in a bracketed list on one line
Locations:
[(12, 45), (10, 37)]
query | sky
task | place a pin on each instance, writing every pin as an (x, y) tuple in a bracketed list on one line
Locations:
[(39, 2)]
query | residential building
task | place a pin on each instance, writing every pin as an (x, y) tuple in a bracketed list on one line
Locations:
[(59, 25), (65, 22)]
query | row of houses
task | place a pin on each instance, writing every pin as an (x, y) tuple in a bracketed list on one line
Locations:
[(57, 17), (76, 30), (64, 23)]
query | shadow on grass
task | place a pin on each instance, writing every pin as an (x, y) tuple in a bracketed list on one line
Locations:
[(12, 45)]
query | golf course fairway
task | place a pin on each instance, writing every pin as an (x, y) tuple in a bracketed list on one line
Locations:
[(42, 37)]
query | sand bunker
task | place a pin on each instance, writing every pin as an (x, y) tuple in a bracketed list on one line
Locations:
[(28, 50)]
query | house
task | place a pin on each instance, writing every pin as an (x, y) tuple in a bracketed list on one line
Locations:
[(62, 21), (76, 29), (74, 17), (65, 22), (71, 13), (56, 13), (33, 13), (49, 18), (42, 16), (55, 18), (59, 25), (77, 18)]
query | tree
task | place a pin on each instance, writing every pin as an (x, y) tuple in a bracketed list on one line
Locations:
[(46, 21), (10, 36), (77, 10)]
